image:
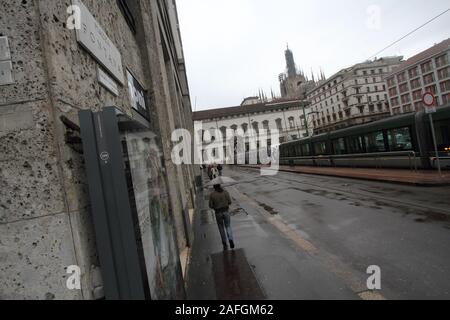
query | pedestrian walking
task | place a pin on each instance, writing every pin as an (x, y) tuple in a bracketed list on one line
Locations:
[(220, 201)]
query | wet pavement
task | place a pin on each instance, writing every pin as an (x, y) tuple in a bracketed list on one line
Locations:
[(313, 237)]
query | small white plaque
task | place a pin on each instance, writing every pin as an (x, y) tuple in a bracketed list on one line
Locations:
[(94, 39), (6, 73), (5, 53), (107, 82)]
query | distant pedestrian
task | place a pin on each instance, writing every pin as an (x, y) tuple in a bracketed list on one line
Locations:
[(220, 168), (220, 201)]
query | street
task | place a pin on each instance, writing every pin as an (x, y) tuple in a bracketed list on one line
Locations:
[(311, 237)]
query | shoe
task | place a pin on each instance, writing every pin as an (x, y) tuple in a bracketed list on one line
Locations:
[(231, 244)]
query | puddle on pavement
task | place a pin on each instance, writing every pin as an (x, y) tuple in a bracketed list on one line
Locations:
[(234, 278)]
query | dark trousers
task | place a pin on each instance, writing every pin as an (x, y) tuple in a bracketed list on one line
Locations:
[(224, 223)]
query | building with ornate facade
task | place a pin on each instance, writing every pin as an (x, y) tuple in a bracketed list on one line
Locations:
[(290, 117), (352, 96)]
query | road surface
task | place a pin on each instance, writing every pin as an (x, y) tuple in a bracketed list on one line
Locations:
[(313, 237)]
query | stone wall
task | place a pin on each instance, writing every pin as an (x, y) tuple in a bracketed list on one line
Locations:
[(45, 219)]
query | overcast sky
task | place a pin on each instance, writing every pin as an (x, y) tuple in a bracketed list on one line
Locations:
[(233, 48)]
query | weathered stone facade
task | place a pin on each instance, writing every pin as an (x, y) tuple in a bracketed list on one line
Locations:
[(45, 219)]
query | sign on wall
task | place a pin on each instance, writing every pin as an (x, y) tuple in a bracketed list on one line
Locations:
[(5, 53), (137, 95), (6, 68), (107, 82), (6, 73), (94, 39)]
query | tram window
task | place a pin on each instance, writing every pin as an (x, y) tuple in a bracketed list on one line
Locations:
[(442, 129), (320, 148), (400, 139), (298, 150), (339, 146), (375, 142), (306, 151), (356, 144), (291, 151)]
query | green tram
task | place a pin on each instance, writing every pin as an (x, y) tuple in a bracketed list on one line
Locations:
[(403, 141)]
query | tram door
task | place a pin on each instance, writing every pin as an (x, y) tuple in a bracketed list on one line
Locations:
[(130, 208)]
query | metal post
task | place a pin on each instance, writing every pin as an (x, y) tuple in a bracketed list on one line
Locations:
[(435, 144), (306, 122)]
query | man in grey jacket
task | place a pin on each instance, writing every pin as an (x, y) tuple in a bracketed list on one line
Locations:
[(220, 201)]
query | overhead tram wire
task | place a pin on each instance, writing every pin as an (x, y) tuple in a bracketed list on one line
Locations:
[(410, 33)]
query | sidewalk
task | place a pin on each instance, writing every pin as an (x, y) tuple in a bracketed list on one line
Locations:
[(213, 274), (271, 261), (403, 176)]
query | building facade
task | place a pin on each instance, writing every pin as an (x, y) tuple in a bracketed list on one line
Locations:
[(289, 117), (352, 96), (428, 71), (126, 54)]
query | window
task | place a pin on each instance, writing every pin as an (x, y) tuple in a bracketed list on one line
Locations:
[(320, 148), (417, 95), (124, 6), (444, 73), (339, 146), (429, 78), (406, 98), (393, 91), (441, 60), (400, 139), (401, 77), (413, 72), (446, 98), (431, 89), (394, 102), (361, 109), (415, 83), (291, 123), (407, 108), (355, 144), (445, 86), (306, 150), (375, 142), (403, 88), (279, 124), (426, 67), (391, 82)]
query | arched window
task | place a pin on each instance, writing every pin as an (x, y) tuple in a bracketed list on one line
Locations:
[(223, 130), (265, 124), (255, 126), (291, 123), (244, 127), (279, 123)]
